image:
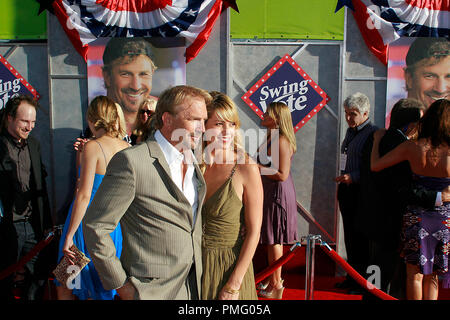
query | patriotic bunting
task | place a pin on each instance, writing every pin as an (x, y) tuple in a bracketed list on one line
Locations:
[(86, 20), (383, 21)]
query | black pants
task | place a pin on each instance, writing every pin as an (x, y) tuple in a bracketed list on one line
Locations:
[(356, 242), (25, 242), (191, 284), (392, 268), (8, 256)]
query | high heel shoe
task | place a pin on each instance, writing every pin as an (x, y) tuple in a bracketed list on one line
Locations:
[(275, 293), (262, 285)]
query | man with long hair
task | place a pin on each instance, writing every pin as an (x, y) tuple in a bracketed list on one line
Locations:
[(23, 193)]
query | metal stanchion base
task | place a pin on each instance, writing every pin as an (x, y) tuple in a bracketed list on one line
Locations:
[(310, 257)]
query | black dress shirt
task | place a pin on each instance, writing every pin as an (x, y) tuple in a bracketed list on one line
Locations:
[(352, 146), (20, 156)]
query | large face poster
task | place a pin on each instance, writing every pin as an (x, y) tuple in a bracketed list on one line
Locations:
[(123, 68), (418, 68)]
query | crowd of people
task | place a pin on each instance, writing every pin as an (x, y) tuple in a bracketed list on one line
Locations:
[(163, 224), (169, 205), (393, 196), (394, 184)]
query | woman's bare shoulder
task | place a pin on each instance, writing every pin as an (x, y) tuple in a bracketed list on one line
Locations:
[(123, 144), (91, 146), (409, 145), (248, 168)]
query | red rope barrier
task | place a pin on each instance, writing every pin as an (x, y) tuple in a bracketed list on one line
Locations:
[(270, 269), (355, 275), (36, 249)]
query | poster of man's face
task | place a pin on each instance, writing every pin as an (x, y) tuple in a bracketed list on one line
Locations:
[(129, 70), (418, 68)]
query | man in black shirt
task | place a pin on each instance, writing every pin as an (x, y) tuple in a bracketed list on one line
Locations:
[(357, 109), (23, 193)]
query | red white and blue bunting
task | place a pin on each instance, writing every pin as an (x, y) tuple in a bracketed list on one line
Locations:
[(384, 21), (86, 20)]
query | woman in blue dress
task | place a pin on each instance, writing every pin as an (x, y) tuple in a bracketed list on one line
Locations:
[(426, 235), (106, 122)]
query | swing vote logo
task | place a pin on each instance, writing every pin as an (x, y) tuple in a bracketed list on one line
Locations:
[(287, 82), (12, 83)]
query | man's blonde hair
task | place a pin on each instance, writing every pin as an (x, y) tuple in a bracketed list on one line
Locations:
[(173, 97)]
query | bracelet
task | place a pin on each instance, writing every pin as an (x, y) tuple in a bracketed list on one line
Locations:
[(227, 289)]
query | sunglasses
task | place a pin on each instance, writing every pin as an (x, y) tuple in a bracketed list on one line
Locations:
[(148, 112)]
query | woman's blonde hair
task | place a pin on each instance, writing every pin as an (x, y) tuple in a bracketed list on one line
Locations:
[(280, 112), (226, 110), (105, 114)]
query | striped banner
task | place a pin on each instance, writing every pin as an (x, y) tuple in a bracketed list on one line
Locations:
[(86, 20)]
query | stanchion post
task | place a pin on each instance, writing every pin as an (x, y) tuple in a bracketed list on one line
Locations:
[(310, 254)]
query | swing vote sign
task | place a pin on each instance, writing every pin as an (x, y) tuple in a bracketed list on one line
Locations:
[(287, 82), (12, 83)]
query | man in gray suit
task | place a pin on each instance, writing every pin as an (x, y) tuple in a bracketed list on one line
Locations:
[(155, 190)]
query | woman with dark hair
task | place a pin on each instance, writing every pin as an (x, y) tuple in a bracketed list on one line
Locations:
[(425, 233), (142, 125), (107, 124)]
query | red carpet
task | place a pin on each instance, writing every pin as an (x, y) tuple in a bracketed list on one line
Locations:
[(293, 273)]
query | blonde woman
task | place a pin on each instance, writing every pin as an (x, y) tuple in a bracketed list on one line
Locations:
[(279, 224), (107, 125), (233, 200)]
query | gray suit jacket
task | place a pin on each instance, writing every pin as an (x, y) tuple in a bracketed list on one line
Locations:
[(160, 240)]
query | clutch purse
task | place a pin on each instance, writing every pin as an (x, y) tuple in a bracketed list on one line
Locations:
[(65, 270)]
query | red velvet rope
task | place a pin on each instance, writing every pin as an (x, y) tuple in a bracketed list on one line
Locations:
[(36, 249), (355, 275), (285, 258), (333, 255)]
